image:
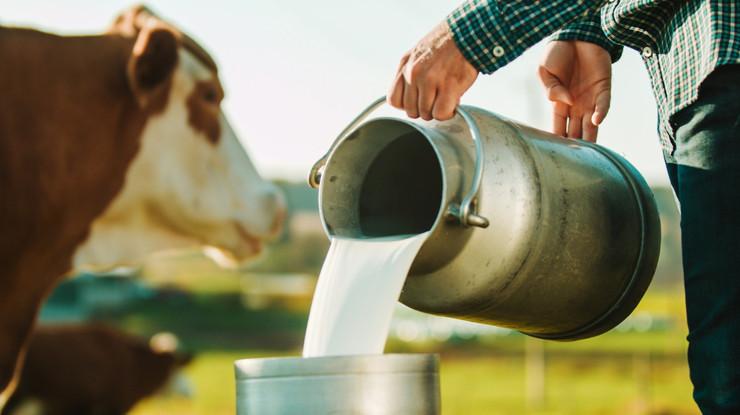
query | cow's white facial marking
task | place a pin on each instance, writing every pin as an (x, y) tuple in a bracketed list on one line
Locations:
[(190, 184)]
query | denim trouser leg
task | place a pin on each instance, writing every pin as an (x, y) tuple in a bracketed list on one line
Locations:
[(705, 174)]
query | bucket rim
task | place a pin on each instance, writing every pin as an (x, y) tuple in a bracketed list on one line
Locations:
[(279, 367)]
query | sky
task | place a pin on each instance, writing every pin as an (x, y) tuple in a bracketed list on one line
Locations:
[(296, 72)]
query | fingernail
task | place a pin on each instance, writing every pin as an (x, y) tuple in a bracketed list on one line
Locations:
[(596, 119)]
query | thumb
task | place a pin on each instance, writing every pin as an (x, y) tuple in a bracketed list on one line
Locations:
[(601, 107), (556, 91)]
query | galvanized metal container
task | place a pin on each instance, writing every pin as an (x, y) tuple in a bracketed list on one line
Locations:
[(391, 384), (555, 237)]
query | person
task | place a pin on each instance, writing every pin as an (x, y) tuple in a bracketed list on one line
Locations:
[(692, 53)]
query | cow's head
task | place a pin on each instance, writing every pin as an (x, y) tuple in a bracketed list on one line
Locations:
[(191, 182)]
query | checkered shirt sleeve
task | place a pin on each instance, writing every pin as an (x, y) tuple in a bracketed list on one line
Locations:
[(492, 33), (589, 29)]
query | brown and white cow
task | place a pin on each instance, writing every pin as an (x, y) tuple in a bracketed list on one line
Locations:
[(111, 147), (91, 369)]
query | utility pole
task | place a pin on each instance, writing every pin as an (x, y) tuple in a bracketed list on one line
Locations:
[(536, 369)]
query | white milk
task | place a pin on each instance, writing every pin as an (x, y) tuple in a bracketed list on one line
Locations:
[(357, 292)]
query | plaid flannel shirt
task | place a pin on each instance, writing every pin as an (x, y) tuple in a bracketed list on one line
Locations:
[(681, 42)]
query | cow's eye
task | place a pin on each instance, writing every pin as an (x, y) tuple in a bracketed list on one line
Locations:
[(210, 95)]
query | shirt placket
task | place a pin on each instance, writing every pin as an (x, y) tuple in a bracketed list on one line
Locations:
[(621, 34), (665, 130)]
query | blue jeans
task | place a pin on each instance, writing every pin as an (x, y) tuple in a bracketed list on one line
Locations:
[(704, 169)]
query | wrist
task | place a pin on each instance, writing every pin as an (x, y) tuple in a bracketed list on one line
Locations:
[(585, 32)]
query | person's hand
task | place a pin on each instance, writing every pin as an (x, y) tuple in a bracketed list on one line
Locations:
[(578, 79), (432, 77)]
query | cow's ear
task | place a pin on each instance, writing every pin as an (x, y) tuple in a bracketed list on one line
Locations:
[(130, 21), (183, 359), (152, 62)]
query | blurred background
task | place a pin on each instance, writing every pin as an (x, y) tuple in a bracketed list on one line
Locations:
[(295, 73)]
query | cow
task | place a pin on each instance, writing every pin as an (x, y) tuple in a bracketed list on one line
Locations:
[(91, 369), (113, 146)]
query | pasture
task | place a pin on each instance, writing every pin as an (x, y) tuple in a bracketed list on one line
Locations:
[(627, 371), (482, 385), (223, 315)]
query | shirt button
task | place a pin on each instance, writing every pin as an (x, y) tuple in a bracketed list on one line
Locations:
[(647, 52), (498, 51)]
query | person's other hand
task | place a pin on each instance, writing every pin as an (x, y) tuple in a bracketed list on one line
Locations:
[(578, 79), (432, 77)]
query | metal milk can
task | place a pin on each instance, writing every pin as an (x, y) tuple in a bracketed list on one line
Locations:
[(557, 238), (387, 384)]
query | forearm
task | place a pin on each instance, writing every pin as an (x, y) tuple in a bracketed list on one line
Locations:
[(492, 33)]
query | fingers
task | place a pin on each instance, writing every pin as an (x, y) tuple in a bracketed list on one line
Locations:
[(556, 91), (433, 77), (601, 107), (562, 102), (426, 102), (420, 94), (590, 130), (575, 126), (444, 106), (411, 100), (559, 118), (591, 121), (395, 95)]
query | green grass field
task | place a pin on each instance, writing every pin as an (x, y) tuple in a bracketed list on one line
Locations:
[(478, 385), (619, 373)]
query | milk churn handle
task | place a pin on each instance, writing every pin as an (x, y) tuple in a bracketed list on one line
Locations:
[(314, 178), (465, 213)]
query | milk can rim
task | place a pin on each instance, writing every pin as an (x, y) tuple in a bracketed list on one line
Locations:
[(272, 367), (420, 126)]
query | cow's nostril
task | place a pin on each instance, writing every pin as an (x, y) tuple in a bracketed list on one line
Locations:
[(273, 199), (278, 221)]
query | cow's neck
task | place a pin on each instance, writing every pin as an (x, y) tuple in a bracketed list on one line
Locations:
[(68, 130)]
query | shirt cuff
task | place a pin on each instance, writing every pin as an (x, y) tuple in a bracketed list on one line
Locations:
[(492, 33), (589, 30)]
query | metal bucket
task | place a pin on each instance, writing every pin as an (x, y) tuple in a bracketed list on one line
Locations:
[(391, 384), (555, 237)]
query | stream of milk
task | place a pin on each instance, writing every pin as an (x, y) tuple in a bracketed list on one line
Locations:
[(357, 291)]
